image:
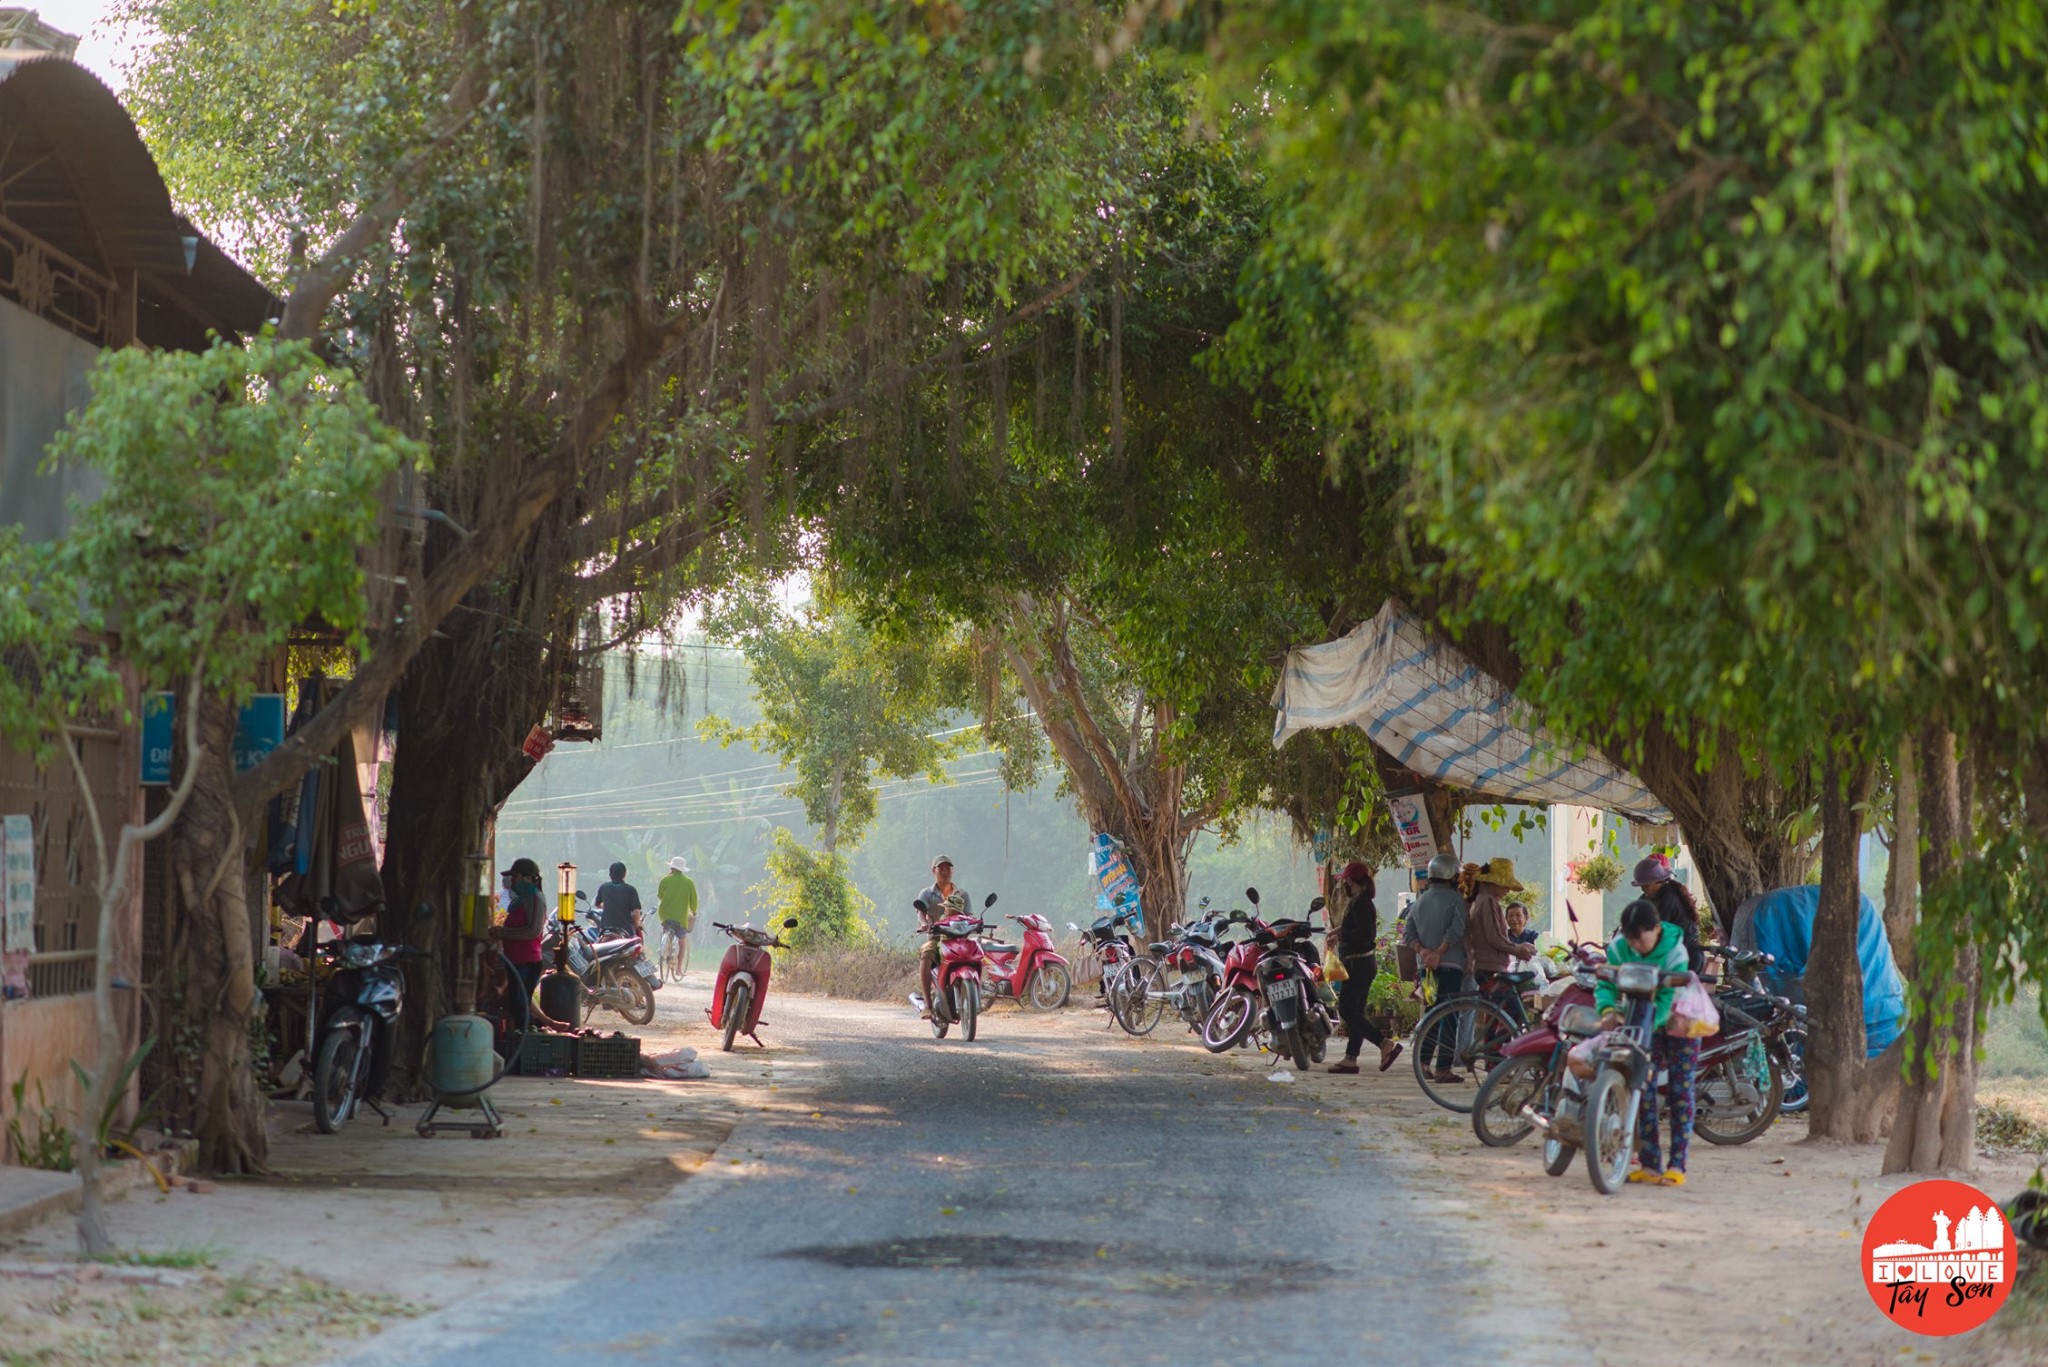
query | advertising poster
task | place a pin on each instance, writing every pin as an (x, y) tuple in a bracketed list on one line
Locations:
[(17, 903), (1411, 821)]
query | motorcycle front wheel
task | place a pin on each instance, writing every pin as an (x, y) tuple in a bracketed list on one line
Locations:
[(635, 986), (967, 1006), (1051, 985), (1224, 1028), (1497, 1111), (1610, 1137), (334, 1080), (739, 999)]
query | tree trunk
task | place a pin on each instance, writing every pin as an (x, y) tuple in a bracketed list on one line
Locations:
[(1851, 1103), (462, 712), (1936, 1129), (215, 958), (1902, 875), (831, 831)]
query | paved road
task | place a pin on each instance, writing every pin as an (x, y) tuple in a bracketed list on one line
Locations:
[(1048, 1194)]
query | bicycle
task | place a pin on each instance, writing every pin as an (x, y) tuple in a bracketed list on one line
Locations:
[(1481, 1022), (674, 959)]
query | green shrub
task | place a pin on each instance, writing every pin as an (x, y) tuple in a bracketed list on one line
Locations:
[(815, 889)]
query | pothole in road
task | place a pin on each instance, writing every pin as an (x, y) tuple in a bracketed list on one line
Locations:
[(1106, 1269), (959, 1250)]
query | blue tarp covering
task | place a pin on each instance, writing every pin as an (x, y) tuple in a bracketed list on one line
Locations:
[(1780, 924)]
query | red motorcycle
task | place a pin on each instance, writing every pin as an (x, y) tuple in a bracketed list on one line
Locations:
[(1272, 983), (1525, 1087), (1033, 972), (742, 986), (958, 999)]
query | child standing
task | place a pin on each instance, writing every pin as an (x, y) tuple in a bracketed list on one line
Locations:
[(1646, 937)]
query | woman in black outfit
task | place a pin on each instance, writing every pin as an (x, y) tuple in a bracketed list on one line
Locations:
[(1358, 938)]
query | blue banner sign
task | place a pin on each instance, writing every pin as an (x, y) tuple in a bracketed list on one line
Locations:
[(259, 729)]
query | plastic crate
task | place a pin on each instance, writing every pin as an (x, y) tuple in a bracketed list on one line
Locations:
[(544, 1055), (612, 1056)]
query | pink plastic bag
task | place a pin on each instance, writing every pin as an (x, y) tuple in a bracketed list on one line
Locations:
[(1693, 1013)]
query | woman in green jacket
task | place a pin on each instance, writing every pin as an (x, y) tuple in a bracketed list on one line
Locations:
[(1646, 937)]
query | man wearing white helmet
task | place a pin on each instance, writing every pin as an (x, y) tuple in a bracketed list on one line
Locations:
[(676, 895)]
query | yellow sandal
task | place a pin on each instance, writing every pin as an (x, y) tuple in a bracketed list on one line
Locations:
[(1672, 1178), (1645, 1175)]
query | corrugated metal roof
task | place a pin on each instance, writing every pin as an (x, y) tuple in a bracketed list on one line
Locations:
[(76, 174)]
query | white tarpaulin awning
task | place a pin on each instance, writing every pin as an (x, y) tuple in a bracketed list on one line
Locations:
[(1441, 716)]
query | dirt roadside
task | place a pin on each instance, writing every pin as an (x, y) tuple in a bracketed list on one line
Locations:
[(375, 1224), (1755, 1260)]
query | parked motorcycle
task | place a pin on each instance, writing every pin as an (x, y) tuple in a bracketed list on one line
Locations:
[(612, 968), (1032, 972), (352, 1058), (1747, 1067), (958, 996), (1190, 969), (1273, 982), (1622, 1073), (741, 989), (1525, 1088)]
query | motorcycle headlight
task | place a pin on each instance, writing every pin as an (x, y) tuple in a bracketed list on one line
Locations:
[(1637, 980)]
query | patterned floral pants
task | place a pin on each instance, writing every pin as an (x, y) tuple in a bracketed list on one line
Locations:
[(1679, 1057)]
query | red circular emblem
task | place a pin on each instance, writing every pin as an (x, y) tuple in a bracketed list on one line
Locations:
[(1939, 1257)]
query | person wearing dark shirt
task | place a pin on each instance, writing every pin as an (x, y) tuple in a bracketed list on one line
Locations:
[(618, 904), (1518, 924), (1358, 942), (1674, 904)]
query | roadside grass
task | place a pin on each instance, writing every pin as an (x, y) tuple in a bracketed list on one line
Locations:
[(2004, 1125), (182, 1256), (866, 973)]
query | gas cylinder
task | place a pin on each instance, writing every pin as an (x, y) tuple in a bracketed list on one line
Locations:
[(561, 996), (463, 1058)]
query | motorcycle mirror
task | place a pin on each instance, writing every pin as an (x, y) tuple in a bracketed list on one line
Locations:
[(1252, 895), (918, 905), (988, 901), (583, 897), (790, 924), (1317, 905)]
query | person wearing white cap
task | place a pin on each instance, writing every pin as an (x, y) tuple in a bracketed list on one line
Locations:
[(676, 896)]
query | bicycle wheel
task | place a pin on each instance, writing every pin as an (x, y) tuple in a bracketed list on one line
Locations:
[(1479, 1029), (1143, 1000), (1497, 1111)]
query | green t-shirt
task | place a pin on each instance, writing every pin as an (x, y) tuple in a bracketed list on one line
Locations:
[(678, 898)]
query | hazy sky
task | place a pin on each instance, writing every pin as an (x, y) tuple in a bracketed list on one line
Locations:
[(98, 47)]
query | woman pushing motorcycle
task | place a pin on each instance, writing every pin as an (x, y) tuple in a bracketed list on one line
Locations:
[(1646, 937)]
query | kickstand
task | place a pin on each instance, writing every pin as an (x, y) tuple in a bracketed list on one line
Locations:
[(371, 1102)]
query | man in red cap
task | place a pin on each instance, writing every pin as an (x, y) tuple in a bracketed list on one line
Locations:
[(1358, 942)]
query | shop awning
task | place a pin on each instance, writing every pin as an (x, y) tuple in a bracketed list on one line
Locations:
[(1439, 715)]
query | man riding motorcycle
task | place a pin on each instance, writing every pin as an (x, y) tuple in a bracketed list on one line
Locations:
[(941, 900)]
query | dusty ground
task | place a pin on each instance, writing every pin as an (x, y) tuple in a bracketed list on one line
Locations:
[(1753, 1261), (375, 1223)]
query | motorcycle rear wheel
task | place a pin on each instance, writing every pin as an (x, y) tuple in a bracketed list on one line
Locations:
[(1558, 1156), (334, 1080), (1292, 1042), (1722, 1076), (967, 1007), (1794, 1068), (642, 1010), (1497, 1111), (1610, 1137), (739, 999), (1051, 985), (1227, 1023)]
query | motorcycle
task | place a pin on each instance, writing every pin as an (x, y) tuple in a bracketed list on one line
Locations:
[(352, 1059), (742, 985), (1273, 982), (611, 967), (1605, 1122), (1195, 959), (1747, 1068), (1526, 1087), (958, 996), (1032, 972)]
